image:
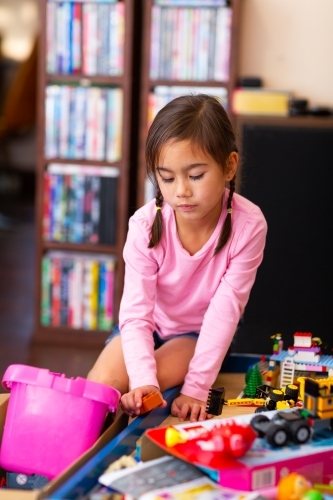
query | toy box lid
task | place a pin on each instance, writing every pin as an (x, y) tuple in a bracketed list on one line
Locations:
[(41, 377), (261, 461)]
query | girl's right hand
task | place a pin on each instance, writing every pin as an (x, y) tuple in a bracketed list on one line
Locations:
[(131, 402)]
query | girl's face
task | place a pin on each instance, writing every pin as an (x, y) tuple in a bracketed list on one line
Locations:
[(191, 182)]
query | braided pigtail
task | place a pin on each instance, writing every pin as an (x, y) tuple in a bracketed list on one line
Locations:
[(226, 229), (157, 227)]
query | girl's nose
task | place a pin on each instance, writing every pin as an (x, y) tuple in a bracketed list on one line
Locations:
[(183, 189)]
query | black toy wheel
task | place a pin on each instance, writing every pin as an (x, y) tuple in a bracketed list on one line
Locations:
[(300, 432), (276, 436), (256, 422)]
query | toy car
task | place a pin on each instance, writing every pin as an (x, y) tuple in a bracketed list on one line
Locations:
[(284, 426)]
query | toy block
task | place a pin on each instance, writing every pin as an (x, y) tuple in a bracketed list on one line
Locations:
[(215, 401), (150, 402)]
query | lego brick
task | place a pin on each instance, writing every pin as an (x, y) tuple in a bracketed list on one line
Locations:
[(150, 402)]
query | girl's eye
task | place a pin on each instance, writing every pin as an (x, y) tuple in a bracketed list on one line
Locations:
[(196, 177), (167, 180)]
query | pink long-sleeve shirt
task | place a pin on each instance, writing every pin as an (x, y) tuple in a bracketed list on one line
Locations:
[(168, 290)]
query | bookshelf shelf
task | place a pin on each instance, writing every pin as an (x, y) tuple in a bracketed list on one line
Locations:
[(188, 83), (77, 247), (67, 311), (85, 80), (70, 161), (185, 23)]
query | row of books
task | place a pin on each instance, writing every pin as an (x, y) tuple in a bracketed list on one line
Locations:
[(192, 3), (77, 290), (80, 204), (86, 38), (190, 43), (88, 1), (163, 94), (83, 122)]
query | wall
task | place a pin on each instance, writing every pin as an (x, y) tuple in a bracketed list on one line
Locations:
[(288, 43)]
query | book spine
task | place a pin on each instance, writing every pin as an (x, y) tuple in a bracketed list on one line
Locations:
[(66, 265), (51, 53), (120, 7), (64, 130), (55, 301), (94, 295), (95, 209), (76, 37), (109, 296), (155, 41), (77, 297), (45, 291), (87, 203), (46, 207)]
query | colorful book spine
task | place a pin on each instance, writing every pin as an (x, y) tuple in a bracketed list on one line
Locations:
[(77, 290), (45, 292)]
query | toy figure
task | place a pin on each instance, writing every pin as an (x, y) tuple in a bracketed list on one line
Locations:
[(277, 343), (294, 486)]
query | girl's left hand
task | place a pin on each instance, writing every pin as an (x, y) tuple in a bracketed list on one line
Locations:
[(185, 405)]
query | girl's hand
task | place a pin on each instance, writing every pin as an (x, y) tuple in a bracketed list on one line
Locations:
[(185, 405), (131, 402)]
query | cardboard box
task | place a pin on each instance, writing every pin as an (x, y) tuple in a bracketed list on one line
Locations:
[(261, 101), (46, 492), (261, 467)]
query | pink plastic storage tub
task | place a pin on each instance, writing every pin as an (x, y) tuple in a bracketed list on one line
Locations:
[(51, 420)]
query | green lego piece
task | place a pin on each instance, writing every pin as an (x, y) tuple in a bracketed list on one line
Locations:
[(253, 378)]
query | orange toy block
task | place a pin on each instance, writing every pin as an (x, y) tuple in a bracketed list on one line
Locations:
[(150, 401)]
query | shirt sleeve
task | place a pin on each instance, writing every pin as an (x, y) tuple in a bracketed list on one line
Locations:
[(136, 310), (225, 308)]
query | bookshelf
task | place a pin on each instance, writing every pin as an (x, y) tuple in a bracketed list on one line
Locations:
[(83, 171), (169, 28)]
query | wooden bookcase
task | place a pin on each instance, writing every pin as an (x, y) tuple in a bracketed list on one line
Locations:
[(64, 334), (148, 83)]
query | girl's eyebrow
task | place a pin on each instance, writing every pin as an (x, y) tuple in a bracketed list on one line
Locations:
[(188, 167)]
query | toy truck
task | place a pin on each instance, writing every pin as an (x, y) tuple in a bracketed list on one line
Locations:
[(297, 425), (284, 426)]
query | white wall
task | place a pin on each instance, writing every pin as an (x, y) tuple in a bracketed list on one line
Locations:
[(289, 44)]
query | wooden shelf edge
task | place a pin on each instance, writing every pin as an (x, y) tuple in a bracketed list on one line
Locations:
[(85, 80), (79, 247), (188, 83), (66, 336), (78, 161)]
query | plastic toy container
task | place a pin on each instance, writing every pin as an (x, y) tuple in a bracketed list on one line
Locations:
[(51, 420)]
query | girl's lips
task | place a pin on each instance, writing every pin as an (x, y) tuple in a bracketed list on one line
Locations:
[(187, 208)]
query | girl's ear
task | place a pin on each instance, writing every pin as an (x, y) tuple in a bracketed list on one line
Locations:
[(232, 164)]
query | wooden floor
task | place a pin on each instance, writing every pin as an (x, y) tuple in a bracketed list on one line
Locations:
[(17, 288)]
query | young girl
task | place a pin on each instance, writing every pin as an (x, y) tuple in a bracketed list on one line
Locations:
[(191, 259)]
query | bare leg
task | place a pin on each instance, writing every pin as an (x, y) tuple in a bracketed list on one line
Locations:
[(173, 359), (110, 367)]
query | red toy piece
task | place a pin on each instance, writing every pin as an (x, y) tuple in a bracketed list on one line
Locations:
[(150, 402), (227, 439), (231, 439)]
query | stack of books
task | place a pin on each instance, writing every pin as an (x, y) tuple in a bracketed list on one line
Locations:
[(86, 38), (77, 290), (80, 204), (190, 43), (83, 122)]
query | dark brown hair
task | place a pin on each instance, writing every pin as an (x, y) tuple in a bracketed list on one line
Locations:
[(203, 120)]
